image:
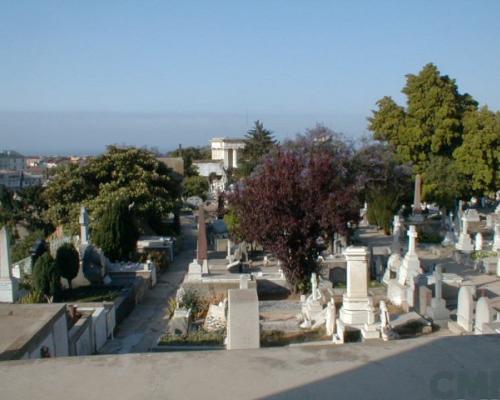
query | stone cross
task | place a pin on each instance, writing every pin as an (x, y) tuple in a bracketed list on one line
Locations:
[(4, 254), (84, 225), (412, 238), (417, 197)]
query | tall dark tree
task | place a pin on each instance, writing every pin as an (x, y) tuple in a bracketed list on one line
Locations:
[(67, 262), (258, 142), (115, 232), (46, 278), (298, 195)]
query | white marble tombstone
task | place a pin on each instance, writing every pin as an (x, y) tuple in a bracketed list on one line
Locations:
[(331, 316), (437, 310), (8, 284), (194, 271), (393, 265), (483, 315), (84, 226), (496, 239), (478, 242), (357, 309), (464, 241), (411, 264), (465, 309)]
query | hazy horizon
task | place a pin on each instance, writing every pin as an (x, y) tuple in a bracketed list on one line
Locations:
[(77, 76)]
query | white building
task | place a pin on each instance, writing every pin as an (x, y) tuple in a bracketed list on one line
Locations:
[(227, 150)]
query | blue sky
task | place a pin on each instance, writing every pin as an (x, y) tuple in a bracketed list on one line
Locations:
[(77, 75)]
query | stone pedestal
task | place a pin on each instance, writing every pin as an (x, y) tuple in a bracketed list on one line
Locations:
[(194, 271), (8, 290), (243, 331), (357, 307)]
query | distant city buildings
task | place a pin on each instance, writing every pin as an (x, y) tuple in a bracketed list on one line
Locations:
[(18, 171)]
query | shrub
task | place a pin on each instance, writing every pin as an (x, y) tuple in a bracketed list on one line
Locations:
[(46, 279), (67, 262)]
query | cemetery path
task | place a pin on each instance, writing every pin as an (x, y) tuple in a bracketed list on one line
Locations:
[(142, 328)]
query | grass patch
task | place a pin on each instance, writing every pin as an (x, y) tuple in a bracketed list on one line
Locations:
[(478, 255), (196, 338), (89, 294)]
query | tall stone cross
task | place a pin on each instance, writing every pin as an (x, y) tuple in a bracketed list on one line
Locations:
[(412, 238), (84, 225), (4, 254)]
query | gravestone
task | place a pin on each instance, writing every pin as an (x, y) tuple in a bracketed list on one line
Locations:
[(243, 331), (478, 242), (357, 309), (465, 309), (393, 265), (194, 271), (8, 284), (471, 215), (84, 226), (331, 316), (483, 315), (437, 311), (496, 239), (464, 243)]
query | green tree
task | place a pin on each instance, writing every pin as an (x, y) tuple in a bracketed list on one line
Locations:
[(387, 184), (190, 154), (131, 172), (46, 279), (431, 124), (67, 262), (258, 142), (443, 182), (114, 231), (479, 155), (22, 247), (195, 186)]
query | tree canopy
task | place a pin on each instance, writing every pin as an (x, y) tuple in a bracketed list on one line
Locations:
[(258, 142), (131, 173), (296, 196), (67, 262), (195, 186), (441, 128)]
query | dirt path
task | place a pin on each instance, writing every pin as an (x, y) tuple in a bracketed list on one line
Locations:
[(147, 322)]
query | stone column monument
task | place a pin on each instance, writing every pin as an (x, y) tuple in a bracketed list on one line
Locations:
[(8, 284), (202, 241), (357, 311)]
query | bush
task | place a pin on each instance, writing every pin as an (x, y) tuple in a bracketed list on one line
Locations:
[(196, 338), (46, 279), (67, 262), (115, 232), (160, 259), (429, 237)]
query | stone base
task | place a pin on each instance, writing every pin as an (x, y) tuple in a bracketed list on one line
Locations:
[(370, 331), (8, 290), (312, 310), (396, 293), (465, 243), (356, 311), (438, 312), (194, 271)]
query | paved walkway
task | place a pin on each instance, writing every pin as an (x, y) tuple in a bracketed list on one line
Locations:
[(457, 367), (140, 331)]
